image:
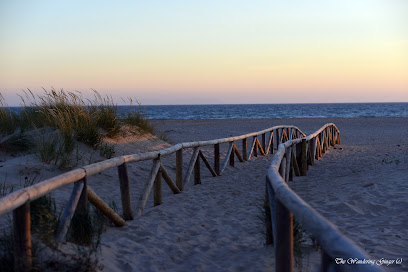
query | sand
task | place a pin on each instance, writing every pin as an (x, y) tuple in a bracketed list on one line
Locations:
[(361, 186)]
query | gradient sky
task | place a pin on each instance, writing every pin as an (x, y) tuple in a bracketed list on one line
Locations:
[(195, 52)]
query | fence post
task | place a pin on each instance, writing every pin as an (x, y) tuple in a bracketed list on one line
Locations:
[(82, 206), (157, 194), (324, 141), (284, 238), (232, 157), (264, 142), (284, 232), (271, 148), (312, 150), (69, 211), (288, 164), (268, 218), (338, 137), (179, 169), (303, 164), (197, 174), (255, 152), (217, 159), (125, 191), (22, 238), (244, 149), (282, 167)]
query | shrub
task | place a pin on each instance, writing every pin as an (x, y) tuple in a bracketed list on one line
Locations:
[(107, 150)]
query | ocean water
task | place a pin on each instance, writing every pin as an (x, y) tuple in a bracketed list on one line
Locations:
[(261, 111)]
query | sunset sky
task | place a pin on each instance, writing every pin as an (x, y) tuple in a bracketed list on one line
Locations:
[(205, 52)]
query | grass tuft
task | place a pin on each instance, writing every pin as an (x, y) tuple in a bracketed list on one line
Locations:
[(135, 117)]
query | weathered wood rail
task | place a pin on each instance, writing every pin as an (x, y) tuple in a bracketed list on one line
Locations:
[(294, 157), (19, 202)]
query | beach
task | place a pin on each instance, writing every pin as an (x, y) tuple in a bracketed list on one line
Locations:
[(360, 185)]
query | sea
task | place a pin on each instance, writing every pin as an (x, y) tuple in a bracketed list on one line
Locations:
[(263, 111)]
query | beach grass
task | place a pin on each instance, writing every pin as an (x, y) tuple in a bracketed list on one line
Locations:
[(84, 234), (61, 119)]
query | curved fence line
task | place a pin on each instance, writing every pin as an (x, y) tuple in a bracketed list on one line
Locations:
[(295, 156), (19, 201)]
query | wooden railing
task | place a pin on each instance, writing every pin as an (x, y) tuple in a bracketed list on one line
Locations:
[(263, 142), (295, 156)]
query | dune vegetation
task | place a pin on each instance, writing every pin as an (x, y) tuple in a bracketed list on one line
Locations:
[(53, 123)]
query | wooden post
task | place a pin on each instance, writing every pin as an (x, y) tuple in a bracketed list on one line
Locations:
[(179, 169), (303, 165), (104, 208), (299, 155), (22, 238), (313, 150), (270, 144), (255, 147), (327, 131), (268, 221), (235, 150), (232, 156), (227, 157), (282, 168), (82, 206), (168, 180), (291, 170), (207, 164), (295, 164), (244, 149), (191, 166), (157, 193), (264, 142), (69, 211), (217, 159), (125, 192), (147, 187), (197, 175), (284, 238), (287, 170), (261, 150), (309, 155), (277, 138)]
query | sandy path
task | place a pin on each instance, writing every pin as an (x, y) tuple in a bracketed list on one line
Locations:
[(214, 226), (209, 227)]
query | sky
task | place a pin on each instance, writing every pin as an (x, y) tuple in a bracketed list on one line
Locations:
[(208, 52)]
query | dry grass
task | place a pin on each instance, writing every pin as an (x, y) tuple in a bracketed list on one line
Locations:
[(71, 118)]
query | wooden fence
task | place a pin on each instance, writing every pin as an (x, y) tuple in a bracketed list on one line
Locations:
[(294, 157), (263, 142)]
